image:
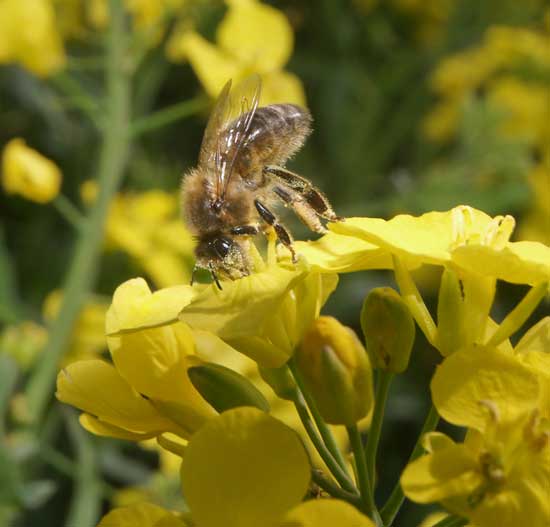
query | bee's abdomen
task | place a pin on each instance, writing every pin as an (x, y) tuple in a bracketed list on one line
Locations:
[(276, 133)]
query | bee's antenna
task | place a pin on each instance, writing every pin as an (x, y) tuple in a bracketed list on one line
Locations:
[(214, 276)]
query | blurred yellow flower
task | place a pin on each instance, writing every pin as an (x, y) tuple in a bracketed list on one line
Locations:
[(88, 335), (147, 226), (141, 515), (30, 36), (242, 49), (28, 173), (23, 342)]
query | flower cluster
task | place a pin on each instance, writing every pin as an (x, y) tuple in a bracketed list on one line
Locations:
[(215, 375), (509, 72)]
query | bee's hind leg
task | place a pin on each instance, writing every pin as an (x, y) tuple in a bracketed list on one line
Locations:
[(301, 208), (282, 234), (309, 194)]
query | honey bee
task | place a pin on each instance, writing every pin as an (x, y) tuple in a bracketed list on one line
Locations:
[(240, 176)]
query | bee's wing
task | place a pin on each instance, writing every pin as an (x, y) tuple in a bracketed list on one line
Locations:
[(227, 129)]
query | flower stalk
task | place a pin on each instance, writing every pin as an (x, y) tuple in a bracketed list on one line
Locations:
[(82, 271)]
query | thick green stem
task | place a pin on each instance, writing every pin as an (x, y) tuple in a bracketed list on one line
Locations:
[(452, 521), (362, 475), (396, 499), (86, 499), (323, 428), (84, 265), (382, 388), (340, 476)]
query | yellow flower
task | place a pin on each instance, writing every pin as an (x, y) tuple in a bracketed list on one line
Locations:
[(242, 458), (88, 335), (147, 226), (499, 475), (263, 315), (241, 49), (235, 473), (28, 173), (30, 36), (148, 361)]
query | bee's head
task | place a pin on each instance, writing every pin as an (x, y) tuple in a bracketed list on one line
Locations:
[(223, 256)]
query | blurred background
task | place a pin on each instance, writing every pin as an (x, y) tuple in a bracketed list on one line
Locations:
[(418, 105)]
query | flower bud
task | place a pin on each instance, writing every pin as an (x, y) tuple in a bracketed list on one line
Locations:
[(336, 370), (224, 388), (280, 380), (389, 329), (28, 173)]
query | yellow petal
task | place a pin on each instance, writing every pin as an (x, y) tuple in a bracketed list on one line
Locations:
[(336, 253), (325, 513), (282, 87), (243, 35), (140, 515), (101, 428), (428, 238), (447, 472), (518, 263), (470, 380), (242, 307), (241, 459), (537, 339), (212, 65), (433, 441), (96, 388), (135, 307), (28, 173)]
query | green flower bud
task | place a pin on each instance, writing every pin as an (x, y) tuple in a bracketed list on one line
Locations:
[(336, 370), (224, 388), (280, 380), (389, 329)]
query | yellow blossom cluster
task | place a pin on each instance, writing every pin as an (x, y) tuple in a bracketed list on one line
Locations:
[(183, 364), (510, 67)]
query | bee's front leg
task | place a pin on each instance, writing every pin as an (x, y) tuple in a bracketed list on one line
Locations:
[(282, 234)]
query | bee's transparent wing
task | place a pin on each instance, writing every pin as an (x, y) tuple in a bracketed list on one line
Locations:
[(228, 128)]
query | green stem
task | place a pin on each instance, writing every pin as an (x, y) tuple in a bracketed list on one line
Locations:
[(373, 438), (69, 212), (323, 428), (168, 115), (362, 475), (82, 271), (334, 490), (391, 507), (336, 470), (85, 506), (452, 521), (517, 317)]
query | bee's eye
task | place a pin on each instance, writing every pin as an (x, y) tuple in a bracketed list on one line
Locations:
[(221, 246)]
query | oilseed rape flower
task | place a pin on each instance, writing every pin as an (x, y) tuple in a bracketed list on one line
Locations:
[(30, 36), (242, 49), (28, 173), (147, 361), (499, 475), (241, 458)]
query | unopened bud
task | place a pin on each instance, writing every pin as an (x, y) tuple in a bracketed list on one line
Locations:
[(280, 380), (389, 330), (224, 388), (336, 370)]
